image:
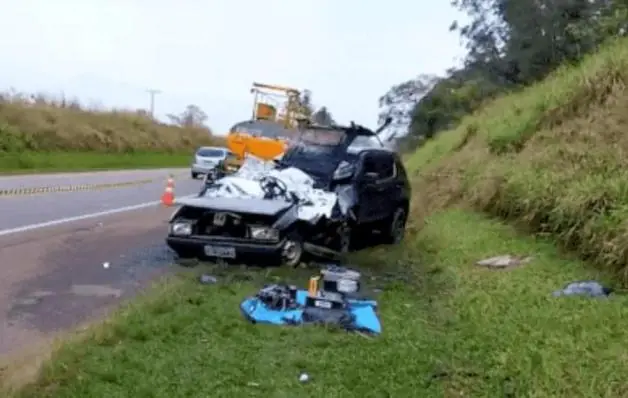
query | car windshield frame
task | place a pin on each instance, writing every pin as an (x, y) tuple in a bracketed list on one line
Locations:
[(211, 152), (315, 156)]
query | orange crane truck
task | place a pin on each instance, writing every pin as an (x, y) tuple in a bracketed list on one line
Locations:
[(277, 111)]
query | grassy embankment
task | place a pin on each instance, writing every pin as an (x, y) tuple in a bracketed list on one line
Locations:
[(549, 158), (49, 135)]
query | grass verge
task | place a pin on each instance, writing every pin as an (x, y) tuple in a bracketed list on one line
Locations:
[(450, 329), (37, 162), (551, 157)]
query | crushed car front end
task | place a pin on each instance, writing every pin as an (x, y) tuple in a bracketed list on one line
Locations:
[(243, 230)]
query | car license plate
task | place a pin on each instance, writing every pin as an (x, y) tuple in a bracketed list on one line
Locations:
[(220, 251)]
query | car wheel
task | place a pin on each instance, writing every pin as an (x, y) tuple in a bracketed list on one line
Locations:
[(292, 251), (194, 176), (396, 228)]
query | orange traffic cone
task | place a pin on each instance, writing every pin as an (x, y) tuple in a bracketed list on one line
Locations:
[(167, 198)]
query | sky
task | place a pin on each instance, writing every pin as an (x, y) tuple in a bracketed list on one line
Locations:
[(208, 52)]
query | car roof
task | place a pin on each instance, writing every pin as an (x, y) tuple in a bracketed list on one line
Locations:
[(353, 129), (364, 138)]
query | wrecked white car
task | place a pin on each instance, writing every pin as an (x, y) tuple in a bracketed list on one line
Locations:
[(321, 196)]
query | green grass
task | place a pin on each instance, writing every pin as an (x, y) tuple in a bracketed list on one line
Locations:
[(550, 157), (37, 162), (450, 329)]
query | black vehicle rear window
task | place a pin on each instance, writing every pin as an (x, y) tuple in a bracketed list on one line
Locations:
[(210, 152)]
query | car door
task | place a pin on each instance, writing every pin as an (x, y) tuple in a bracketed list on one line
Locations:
[(402, 184), (370, 193), (386, 185)]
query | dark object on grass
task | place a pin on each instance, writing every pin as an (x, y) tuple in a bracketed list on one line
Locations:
[(503, 262), (584, 288), (208, 279)]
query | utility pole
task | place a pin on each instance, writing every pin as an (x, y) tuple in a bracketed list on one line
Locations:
[(152, 93)]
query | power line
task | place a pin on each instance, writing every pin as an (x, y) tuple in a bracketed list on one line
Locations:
[(152, 93)]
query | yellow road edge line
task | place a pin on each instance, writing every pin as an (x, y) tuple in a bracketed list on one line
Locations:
[(71, 188), (30, 191)]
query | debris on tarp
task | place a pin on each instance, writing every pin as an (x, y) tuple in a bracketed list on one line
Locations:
[(505, 261), (584, 288), (207, 279), (331, 300)]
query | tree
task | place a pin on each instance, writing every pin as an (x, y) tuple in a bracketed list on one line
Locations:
[(399, 102), (322, 116), (305, 102), (510, 44), (193, 116), (520, 42)]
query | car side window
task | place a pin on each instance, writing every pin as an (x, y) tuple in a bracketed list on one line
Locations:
[(386, 166), (370, 164), (383, 164)]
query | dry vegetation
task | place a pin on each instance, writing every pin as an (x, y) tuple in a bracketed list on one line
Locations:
[(551, 157), (36, 130)]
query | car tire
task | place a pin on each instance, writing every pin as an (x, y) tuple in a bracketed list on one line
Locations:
[(394, 230), (194, 176), (292, 253)]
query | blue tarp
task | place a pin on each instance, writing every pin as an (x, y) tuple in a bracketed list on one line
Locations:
[(362, 313)]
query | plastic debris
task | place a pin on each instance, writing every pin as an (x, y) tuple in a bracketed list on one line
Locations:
[(105, 265), (584, 288), (304, 377), (208, 279), (505, 261)]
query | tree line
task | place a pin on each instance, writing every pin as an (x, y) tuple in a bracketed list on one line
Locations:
[(510, 44), (194, 116)]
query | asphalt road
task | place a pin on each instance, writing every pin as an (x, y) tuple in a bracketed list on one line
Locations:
[(24, 210), (53, 276)]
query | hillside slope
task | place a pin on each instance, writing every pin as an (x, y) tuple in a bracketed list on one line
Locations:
[(551, 157), (58, 135)]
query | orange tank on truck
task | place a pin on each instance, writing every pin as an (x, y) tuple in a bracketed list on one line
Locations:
[(277, 111)]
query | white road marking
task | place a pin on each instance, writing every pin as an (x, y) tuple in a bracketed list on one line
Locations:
[(79, 218)]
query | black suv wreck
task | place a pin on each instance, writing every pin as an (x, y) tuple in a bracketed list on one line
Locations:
[(350, 185)]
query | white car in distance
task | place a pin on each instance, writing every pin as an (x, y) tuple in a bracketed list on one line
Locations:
[(206, 159)]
